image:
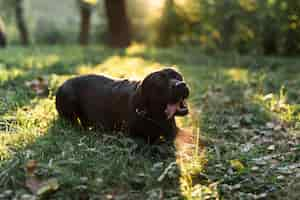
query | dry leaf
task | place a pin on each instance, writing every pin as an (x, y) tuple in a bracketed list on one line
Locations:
[(36, 185), (33, 184), (50, 185), (39, 85), (271, 147), (237, 165), (31, 166)]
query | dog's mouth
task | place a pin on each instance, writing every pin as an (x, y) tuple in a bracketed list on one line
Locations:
[(179, 108)]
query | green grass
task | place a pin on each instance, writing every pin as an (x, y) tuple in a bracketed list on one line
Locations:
[(244, 109)]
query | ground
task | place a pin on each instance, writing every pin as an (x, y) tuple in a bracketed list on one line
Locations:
[(245, 123)]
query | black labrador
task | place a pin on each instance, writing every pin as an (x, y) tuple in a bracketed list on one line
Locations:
[(140, 108)]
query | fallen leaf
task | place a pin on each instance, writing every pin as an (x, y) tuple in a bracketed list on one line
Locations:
[(237, 165), (31, 166), (271, 147), (33, 184), (50, 185), (36, 185), (39, 85)]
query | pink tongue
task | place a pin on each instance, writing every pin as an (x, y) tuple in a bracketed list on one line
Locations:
[(171, 110)]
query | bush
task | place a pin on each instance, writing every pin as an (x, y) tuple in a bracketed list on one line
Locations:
[(269, 27), (47, 32)]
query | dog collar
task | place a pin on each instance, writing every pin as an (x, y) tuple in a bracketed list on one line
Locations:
[(140, 112), (143, 113)]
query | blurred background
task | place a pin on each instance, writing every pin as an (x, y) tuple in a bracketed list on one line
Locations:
[(269, 27)]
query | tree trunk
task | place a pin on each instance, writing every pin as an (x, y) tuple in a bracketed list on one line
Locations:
[(292, 41), (2, 34), (166, 29), (270, 37), (21, 22), (292, 35), (118, 23), (228, 25), (85, 24)]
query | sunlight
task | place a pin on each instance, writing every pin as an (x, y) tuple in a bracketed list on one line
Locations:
[(31, 122), (91, 2), (155, 4), (41, 62), (135, 48), (133, 68), (192, 159), (238, 74), (278, 107), (181, 2), (7, 74)]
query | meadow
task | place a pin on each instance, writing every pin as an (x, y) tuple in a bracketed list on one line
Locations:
[(245, 122)]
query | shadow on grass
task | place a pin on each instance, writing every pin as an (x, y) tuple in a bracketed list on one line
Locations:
[(93, 165)]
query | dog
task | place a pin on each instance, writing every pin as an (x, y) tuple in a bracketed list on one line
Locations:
[(144, 108)]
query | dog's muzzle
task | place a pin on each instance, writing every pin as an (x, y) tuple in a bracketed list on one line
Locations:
[(177, 105)]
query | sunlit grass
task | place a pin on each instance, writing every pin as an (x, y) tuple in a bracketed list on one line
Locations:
[(28, 124), (10, 74), (238, 74), (136, 48), (278, 106), (134, 68)]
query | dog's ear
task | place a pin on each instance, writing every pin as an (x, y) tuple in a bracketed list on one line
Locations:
[(173, 73), (141, 95)]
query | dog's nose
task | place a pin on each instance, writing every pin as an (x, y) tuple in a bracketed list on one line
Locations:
[(180, 84), (182, 88)]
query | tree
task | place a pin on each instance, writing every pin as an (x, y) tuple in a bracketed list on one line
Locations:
[(228, 23), (2, 34), (21, 24), (85, 8), (118, 23), (292, 32), (169, 25)]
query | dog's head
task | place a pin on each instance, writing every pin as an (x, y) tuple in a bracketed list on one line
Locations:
[(163, 94)]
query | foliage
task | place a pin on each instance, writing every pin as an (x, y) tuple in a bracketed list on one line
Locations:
[(270, 27)]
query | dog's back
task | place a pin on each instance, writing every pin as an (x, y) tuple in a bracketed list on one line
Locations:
[(95, 99)]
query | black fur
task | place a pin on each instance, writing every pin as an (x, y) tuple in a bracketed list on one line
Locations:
[(131, 106)]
